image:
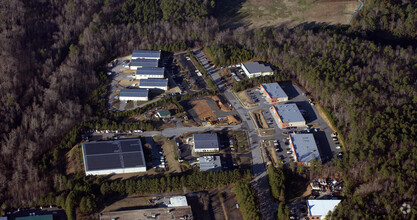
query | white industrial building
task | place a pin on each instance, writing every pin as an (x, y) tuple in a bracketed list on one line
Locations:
[(178, 201), (140, 63), (255, 69), (210, 163), (154, 84), (319, 208), (150, 72), (134, 94), (288, 115), (274, 92), (146, 54), (205, 143), (113, 157), (304, 148)]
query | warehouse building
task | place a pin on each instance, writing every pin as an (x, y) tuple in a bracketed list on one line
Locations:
[(274, 92), (318, 209), (255, 69), (204, 143), (110, 157), (134, 94), (178, 201), (140, 63), (146, 54), (304, 148), (161, 84), (210, 163), (288, 115), (150, 72)]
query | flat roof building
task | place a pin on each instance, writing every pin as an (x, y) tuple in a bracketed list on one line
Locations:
[(117, 156), (134, 94), (255, 69), (210, 163), (288, 115), (140, 63), (161, 84), (318, 209), (207, 142), (150, 72), (178, 201), (304, 148), (274, 92), (146, 54)]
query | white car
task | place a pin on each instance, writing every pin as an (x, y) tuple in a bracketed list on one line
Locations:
[(338, 147), (289, 152)]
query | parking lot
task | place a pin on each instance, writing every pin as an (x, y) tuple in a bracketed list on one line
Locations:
[(185, 74)]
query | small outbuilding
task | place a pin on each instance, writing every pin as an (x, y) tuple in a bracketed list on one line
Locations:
[(164, 114)]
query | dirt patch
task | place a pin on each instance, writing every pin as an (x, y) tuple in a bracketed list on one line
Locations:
[(75, 161), (223, 201), (273, 156), (170, 150), (259, 119), (128, 202), (203, 110), (221, 105), (262, 13), (245, 99), (129, 82), (232, 120)]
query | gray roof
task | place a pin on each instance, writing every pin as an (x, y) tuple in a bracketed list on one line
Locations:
[(116, 154), (134, 92), (144, 62), (207, 140), (154, 82), (150, 70), (274, 90), (289, 113), (147, 53), (210, 163), (255, 67), (305, 147)]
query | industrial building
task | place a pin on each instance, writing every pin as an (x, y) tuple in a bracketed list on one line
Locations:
[(318, 209), (255, 69), (146, 54), (161, 84), (149, 72), (288, 115), (210, 163), (111, 157), (274, 92), (140, 63), (204, 143), (304, 148), (178, 201), (134, 94)]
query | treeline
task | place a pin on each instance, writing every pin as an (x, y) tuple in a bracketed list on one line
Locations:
[(226, 54), (399, 18), (276, 178), (176, 12), (84, 192), (247, 200)]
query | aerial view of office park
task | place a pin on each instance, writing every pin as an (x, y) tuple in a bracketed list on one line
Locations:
[(208, 109)]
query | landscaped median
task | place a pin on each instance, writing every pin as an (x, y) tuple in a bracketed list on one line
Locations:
[(260, 123)]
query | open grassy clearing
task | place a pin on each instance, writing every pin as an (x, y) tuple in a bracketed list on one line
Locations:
[(170, 152), (128, 202), (261, 13)]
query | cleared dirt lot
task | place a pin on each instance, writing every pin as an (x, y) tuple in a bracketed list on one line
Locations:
[(245, 99), (261, 13), (259, 119), (203, 110)]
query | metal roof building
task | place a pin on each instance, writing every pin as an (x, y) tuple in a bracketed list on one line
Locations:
[(288, 115), (150, 72), (117, 156), (318, 209), (274, 92), (146, 54), (255, 69), (139, 63), (207, 142), (134, 94), (304, 147), (154, 84), (210, 163)]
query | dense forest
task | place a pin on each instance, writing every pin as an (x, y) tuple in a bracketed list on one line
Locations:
[(52, 79)]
